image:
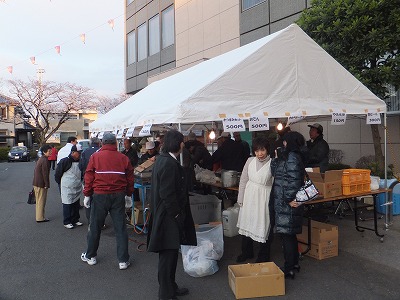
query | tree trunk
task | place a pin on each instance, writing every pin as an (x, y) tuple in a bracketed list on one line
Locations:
[(376, 138)]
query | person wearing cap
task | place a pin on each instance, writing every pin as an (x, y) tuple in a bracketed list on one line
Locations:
[(151, 152), (171, 224), (318, 148), (230, 154), (109, 179), (68, 176)]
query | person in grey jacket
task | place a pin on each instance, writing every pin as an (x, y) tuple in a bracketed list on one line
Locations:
[(288, 171)]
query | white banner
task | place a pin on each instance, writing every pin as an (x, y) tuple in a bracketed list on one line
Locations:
[(130, 131), (294, 119), (374, 118), (120, 133), (145, 131), (232, 124), (258, 123), (338, 118), (100, 136)]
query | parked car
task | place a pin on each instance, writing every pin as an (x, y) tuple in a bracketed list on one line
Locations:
[(84, 143), (19, 153)]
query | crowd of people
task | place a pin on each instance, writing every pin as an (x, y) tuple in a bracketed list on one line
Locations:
[(269, 181)]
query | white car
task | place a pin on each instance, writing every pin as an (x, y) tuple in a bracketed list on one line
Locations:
[(84, 143)]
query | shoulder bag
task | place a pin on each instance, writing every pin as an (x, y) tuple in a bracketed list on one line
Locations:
[(307, 192)]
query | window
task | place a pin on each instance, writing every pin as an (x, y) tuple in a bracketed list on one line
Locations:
[(131, 47), (142, 41), (168, 27), (154, 35), (246, 4)]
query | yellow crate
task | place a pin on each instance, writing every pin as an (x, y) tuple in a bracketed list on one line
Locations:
[(353, 176), (349, 189)]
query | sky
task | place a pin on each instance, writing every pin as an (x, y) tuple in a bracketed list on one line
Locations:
[(35, 27)]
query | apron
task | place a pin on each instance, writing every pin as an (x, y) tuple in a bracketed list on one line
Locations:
[(71, 185)]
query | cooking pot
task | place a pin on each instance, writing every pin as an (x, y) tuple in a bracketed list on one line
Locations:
[(230, 178)]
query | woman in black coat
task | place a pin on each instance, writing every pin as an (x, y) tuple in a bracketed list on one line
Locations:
[(171, 222), (288, 171)]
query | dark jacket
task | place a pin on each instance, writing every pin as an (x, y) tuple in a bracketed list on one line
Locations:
[(108, 172), (230, 154), (84, 159), (200, 155), (63, 166), (288, 178), (41, 173), (318, 154), (171, 223), (132, 155), (146, 156)]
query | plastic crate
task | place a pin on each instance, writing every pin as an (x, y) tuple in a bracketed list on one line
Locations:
[(353, 176), (205, 208), (349, 189)]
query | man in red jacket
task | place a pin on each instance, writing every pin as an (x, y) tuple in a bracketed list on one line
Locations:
[(109, 179)]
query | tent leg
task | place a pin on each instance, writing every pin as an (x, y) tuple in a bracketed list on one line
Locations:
[(181, 155), (389, 209)]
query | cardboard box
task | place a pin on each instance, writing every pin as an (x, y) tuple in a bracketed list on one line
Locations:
[(329, 184), (256, 280), (137, 214), (321, 250), (324, 240), (147, 165)]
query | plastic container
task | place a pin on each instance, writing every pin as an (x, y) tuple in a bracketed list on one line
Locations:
[(349, 189), (229, 221), (205, 208), (395, 197)]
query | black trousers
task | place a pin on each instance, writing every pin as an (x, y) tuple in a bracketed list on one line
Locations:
[(264, 252), (290, 251), (167, 261)]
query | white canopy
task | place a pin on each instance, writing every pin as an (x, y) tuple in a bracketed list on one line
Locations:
[(283, 74)]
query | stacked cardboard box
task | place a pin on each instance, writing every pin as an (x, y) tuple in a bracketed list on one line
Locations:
[(329, 184), (324, 240)]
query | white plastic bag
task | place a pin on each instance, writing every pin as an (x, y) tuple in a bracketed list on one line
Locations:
[(200, 260), (204, 175)]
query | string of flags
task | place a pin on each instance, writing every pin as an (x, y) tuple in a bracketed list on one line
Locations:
[(82, 36)]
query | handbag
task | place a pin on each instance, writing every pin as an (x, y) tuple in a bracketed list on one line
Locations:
[(307, 192), (31, 197)]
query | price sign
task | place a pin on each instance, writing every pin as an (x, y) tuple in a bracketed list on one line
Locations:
[(258, 123), (338, 118), (100, 136), (294, 119), (130, 131), (231, 124), (145, 131), (373, 118)]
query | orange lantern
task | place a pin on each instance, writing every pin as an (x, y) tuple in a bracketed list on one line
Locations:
[(10, 69), (83, 37), (58, 49), (33, 60)]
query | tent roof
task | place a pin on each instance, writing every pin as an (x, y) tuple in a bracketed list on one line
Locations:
[(285, 73)]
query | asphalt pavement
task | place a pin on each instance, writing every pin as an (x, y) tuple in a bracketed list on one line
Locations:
[(42, 260)]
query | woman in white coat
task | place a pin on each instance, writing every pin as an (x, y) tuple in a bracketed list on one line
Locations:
[(254, 220)]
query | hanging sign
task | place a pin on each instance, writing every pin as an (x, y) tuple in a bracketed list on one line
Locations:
[(145, 131), (258, 123), (231, 124), (100, 136), (338, 118), (130, 131), (374, 118), (121, 133), (294, 119)]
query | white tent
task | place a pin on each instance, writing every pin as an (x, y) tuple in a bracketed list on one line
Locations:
[(285, 73)]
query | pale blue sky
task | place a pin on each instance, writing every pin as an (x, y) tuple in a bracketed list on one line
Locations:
[(34, 27)]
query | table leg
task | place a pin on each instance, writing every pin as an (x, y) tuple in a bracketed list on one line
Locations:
[(362, 228)]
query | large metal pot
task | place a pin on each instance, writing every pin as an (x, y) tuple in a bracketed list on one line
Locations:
[(230, 178)]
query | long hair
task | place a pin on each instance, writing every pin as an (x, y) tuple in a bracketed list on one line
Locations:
[(172, 141), (294, 141)]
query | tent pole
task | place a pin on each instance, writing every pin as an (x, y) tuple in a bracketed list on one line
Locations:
[(181, 155), (388, 213)]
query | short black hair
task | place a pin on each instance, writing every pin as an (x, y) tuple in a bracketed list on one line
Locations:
[(294, 141), (71, 139), (259, 143), (45, 148), (172, 141)]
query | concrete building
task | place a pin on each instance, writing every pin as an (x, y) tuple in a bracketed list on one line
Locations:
[(164, 37)]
